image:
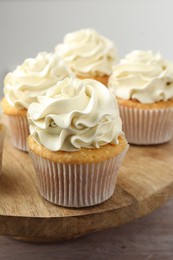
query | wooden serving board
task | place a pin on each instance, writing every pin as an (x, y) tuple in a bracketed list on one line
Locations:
[(144, 183)]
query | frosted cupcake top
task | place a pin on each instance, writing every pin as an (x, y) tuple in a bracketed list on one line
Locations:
[(75, 114), (33, 78), (87, 53), (143, 76)]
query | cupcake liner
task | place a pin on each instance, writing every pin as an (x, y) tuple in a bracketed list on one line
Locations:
[(76, 185), (2, 135), (147, 126), (19, 130)]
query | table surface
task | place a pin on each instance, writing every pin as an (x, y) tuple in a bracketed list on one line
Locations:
[(150, 237)]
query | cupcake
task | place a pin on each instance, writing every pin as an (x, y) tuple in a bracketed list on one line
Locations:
[(76, 143), (2, 135), (88, 54), (143, 86), (23, 85)]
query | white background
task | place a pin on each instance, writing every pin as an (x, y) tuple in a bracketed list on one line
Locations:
[(28, 27)]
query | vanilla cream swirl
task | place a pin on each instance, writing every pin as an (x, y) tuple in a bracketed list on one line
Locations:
[(87, 53), (143, 76), (75, 114), (33, 78)]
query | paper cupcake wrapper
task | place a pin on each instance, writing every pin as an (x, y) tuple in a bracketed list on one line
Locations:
[(147, 126), (2, 135), (19, 130), (76, 185)]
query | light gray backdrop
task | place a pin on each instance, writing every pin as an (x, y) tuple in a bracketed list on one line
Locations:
[(28, 27)]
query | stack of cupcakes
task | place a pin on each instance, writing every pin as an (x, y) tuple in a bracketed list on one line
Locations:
[(76, 140)]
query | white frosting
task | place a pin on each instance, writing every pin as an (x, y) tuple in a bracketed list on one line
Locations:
[(33, 78), (143, 76), (74, 114), (87, 53)]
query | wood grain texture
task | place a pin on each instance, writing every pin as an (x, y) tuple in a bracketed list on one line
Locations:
[(145, 182), (148, 238)]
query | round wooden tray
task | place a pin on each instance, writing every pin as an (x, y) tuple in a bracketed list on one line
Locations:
[(144, 183)]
